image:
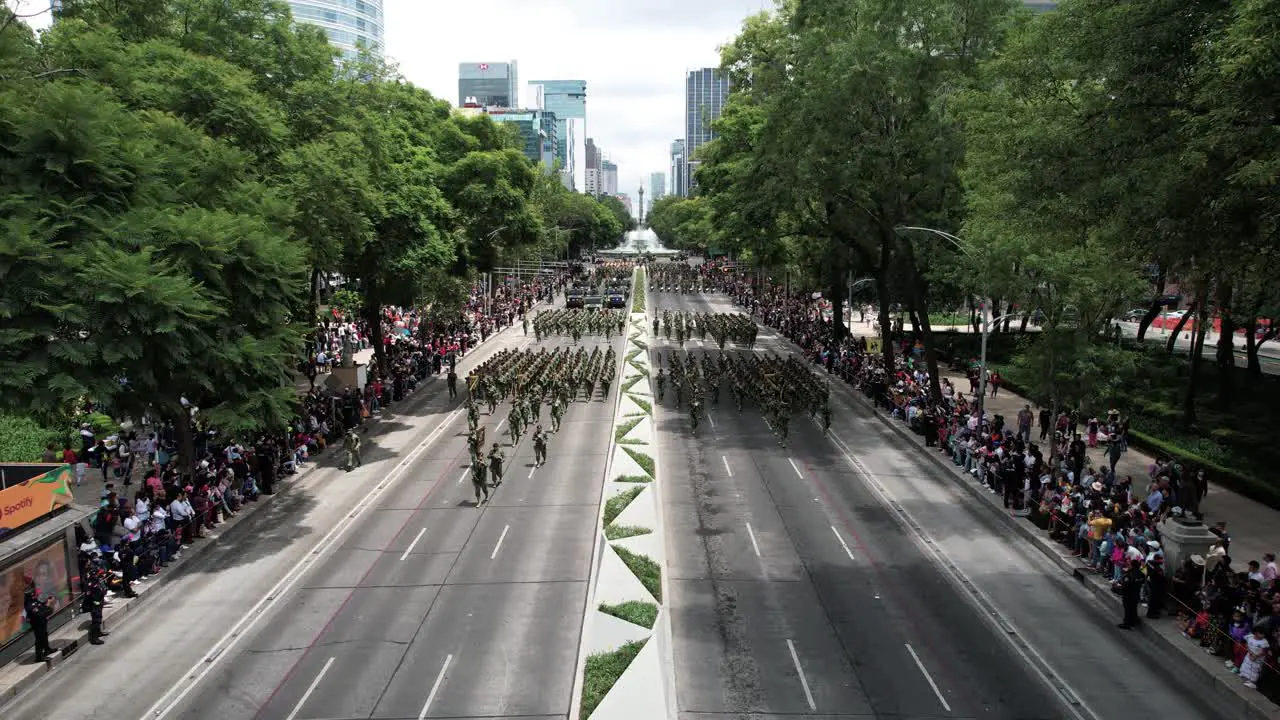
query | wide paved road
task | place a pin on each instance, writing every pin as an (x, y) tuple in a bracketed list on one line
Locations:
[(798, 591), (426, 607)]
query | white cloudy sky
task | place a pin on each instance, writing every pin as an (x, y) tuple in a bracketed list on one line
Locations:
[(632, 54)]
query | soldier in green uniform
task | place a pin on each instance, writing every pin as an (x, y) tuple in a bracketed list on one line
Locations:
[(695, 409), (473, 444), (478, 479), (496, 458), (351, 445), (826, 417), (513, 425), (473, 416), (539, 446), (662, 384), (557, 414)]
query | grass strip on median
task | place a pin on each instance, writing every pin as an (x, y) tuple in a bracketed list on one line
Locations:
[(616, 504), (633, 478), (644, 404), (644, 461), (602, 671), (638, 612), (626, 427), (645, 570), (637, 292), (634, 354), (626, 386), (618, 532), (639, 368)]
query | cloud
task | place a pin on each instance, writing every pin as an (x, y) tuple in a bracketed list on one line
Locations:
[(633, 56)]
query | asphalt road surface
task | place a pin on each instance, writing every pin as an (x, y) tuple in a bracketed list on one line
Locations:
[(797, 590), (427, 606)]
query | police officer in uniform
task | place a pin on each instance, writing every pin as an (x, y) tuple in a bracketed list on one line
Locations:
[(453, 382), (38, 610), (95, 596)]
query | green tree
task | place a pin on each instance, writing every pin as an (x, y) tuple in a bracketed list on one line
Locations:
[(619, 211)]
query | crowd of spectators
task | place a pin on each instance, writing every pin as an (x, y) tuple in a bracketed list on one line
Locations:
[(1112, 523)]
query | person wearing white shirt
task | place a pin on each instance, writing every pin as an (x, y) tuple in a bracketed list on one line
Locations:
[(131, 527), (182, 512)]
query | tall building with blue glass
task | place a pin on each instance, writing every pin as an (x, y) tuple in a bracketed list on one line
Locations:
[(706, 91), (568, 100), (349, 24)]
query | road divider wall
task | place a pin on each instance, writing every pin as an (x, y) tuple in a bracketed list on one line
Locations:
[(624, 668)]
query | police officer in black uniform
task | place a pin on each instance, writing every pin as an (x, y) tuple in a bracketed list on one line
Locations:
[(38, 610), (95, 597)]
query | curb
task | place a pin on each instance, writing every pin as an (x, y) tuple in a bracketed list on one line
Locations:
[(1247, 704), (78, 636)]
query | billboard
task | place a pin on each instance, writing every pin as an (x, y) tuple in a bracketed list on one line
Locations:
[(30, 500), (48, 568)]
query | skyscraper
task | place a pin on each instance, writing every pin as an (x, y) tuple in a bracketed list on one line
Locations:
[(608, 178), (491, 84), (657, 187), (568, 100), (706, 91), (348, 23), (679, 170), (537, 127), (591, 169)]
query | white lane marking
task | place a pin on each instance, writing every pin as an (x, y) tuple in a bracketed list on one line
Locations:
[(842, 542), (501, 537), (808, 696), (793, 467), (501, 422), (928, 677), (463, 476), (435, 687), (310, 689), (767, 423), (754, 545), (206, 664), (726, 465), (712, 421), (535, 467), (416, 538)]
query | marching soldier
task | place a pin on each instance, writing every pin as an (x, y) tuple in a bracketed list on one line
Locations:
[(695, 409), (473, 416), (557, 414), (513, 425), (662, 384), (478, 480), (351, 445), (496, 458), (539, 447), (452, 379), (473, 444), (826, 417)]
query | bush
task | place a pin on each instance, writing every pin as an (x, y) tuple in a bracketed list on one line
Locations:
[(645, 569), (602, 671), (644, 461), (614, 506), (1247, 485), (644, 614), (22, 440)]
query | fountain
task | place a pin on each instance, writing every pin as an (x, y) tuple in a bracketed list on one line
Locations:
[(639, 242)]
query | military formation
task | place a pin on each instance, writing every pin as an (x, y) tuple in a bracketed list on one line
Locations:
[(529, 380), (778, 387), (682, 325), (577, 323), (679, 278)]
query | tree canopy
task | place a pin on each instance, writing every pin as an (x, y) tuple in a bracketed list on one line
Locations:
[(177, 176)]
